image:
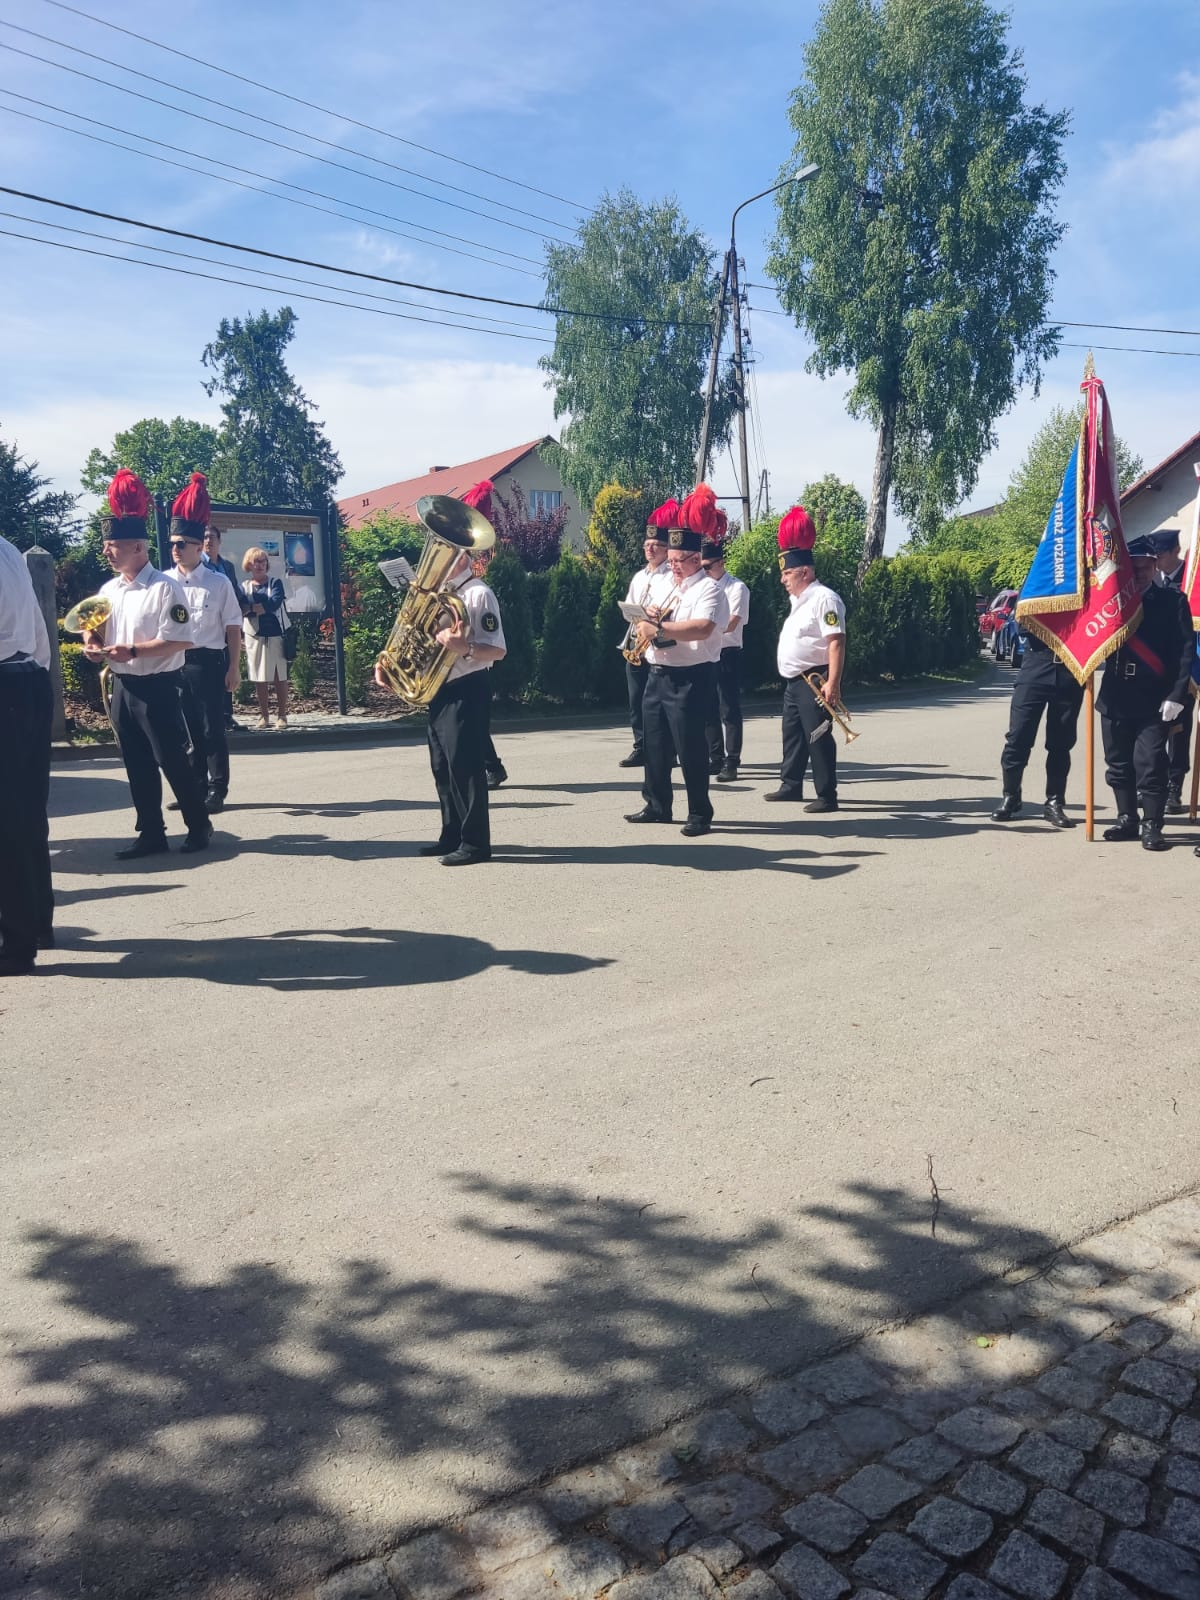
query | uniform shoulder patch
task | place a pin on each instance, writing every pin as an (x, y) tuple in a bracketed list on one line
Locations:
[(179, 613), (831, 619), (490, 622)]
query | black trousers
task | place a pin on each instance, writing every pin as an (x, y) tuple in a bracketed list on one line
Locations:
[(1178, 751), (458, 745), (674, 713), (636, 679), (26, 897), (147, 717), (807, 737), (204, 714), (1135, 756), (725, 717), (1042, 685)]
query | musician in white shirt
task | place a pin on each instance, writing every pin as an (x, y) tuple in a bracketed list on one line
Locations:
[(651, 585), (725, 716)]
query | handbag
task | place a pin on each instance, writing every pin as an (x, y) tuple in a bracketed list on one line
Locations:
[(291, 636)]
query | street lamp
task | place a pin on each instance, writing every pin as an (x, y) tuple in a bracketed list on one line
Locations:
[(729, 285)]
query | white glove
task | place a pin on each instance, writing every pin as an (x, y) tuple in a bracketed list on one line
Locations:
[(1171, 710)]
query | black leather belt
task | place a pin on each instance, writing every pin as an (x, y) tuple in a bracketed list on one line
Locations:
[(201, 652)]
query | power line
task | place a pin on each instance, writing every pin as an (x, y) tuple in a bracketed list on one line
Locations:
[(249, 172), (314, 283), (1130, 349), (241, 111), (348, 272), (240, 283), (276, 144), (288, 199), (312, 105)]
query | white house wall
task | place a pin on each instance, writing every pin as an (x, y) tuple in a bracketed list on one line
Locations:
[(1170, 505), (534, 473)]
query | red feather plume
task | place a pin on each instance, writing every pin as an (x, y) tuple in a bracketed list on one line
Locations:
[(128, 496), (796, 530), (192, 502), (479, 497), (721, 531), (665, 515), (699, 511)]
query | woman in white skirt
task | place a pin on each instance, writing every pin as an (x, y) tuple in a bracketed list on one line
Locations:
[(262, 632)]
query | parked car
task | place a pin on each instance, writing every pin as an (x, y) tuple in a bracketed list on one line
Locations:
[(995, 617), (1009, 640)]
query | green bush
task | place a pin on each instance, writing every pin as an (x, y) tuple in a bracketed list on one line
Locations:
[(359, 655), (303, 671), (509, 582), (568, 633), (80, 678), (369, 601), (244, 694), (538, 588), (869, 630), (753, 557), (618, 524), (609, 678)]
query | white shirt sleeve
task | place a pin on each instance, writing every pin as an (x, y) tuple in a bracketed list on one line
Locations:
[(832, 615)]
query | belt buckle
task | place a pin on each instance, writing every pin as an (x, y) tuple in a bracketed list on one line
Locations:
[(1130, 669)]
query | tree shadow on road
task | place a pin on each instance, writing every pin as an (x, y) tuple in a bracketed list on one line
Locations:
[(239, 1436)]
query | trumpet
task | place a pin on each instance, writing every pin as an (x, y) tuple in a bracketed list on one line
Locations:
[(835, 708), (633, 647)]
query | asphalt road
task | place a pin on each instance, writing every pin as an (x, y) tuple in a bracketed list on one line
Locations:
[(341, 1193)]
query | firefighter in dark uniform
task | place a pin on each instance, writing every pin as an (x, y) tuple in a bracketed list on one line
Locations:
[(144, 641), (1170, 574), (1141, 694), (1043, 684)]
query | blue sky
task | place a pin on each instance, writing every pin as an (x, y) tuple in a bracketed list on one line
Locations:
[(667, 98)]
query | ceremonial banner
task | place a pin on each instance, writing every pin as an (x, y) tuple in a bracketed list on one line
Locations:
[(1080, 597), (1191, 581)]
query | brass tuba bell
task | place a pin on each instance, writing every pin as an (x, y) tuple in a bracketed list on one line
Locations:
[(412, 663)]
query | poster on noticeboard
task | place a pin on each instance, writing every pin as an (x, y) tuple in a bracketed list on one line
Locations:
[(295, 547)]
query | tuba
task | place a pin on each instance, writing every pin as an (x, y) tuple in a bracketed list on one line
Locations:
[(412, 663)]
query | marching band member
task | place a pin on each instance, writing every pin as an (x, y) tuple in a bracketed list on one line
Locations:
[(1142, 692), (210, 668), (479, 497), (1043, 684), (649, 586), (724, 729), (682, 655), (459, 715), (26, 711), (813, 639), (1170, 574), (144, 641)]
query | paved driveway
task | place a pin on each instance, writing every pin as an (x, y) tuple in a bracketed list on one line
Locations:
[(341, 1192)]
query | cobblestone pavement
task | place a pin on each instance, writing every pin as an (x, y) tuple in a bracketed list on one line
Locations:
[(1038, 1438)]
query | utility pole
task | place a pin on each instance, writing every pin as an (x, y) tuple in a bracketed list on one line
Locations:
[(763, 508), (713, 362), (739, 369)]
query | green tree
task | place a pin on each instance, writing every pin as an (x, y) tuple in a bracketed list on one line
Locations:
[(753, 557), (568, 633), (1033, 488), (836, 501), (270, 451), (609, 680), (163, 454), (28, 515), (508, 581), (919, 258), (633, 388), (618, 524)]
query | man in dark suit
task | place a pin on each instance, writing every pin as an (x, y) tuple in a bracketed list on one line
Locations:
[(213, 558), (1142, 695), (1171, 567)]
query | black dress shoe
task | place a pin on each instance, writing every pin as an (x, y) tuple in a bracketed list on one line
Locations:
[(635, 758), (16, 966), (465, 858), (821, 805), (728, 773), (1055, 814), (645, 815), (214, 803), (1174, 800), (694, 827), (1126, 828), (143, 847), (438, 849), (714, 768), (197, 841), (1008, 808), (784, 793), (496, 777), (1152, 836)]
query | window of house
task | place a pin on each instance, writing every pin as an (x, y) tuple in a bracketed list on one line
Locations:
[(542, 500)]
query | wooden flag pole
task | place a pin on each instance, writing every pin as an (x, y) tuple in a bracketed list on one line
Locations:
[(1195, 786), (1089, 804)]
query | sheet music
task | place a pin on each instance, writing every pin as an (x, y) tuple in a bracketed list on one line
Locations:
[(397, 571)]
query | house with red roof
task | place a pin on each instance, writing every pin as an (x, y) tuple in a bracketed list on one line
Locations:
[(524, 464), (1164, 497)]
